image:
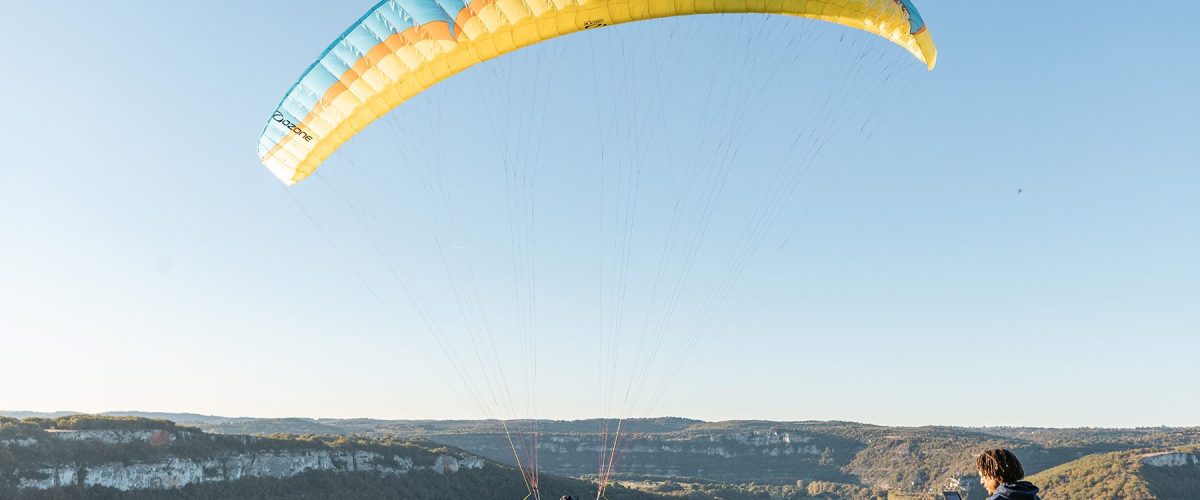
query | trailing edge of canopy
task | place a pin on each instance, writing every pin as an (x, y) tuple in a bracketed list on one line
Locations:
[(401, 47)]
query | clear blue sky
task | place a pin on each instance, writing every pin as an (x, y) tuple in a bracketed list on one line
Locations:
[(148, 262)]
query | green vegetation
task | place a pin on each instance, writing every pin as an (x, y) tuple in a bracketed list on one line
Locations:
[(1121, 475), (1110, 475), (11, 428), (36, 427), (752, 491)]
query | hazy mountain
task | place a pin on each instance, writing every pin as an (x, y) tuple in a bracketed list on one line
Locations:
[(36, 414)]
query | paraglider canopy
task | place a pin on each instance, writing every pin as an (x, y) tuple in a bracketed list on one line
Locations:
[(401, 47)]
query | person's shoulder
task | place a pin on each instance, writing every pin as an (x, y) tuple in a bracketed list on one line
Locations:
[(1020, 490)]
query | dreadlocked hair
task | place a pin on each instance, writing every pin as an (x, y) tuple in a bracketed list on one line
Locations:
[(1000, 464)]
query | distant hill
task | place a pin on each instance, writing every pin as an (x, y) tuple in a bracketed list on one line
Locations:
[(1142, 474), (717, 458), (919, 460), (180, 418), (130, 458), (36, 414)]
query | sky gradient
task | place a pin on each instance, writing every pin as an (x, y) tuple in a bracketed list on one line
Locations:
[(147, 260)]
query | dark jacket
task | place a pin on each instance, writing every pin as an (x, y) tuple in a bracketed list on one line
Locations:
[(1020, 490)]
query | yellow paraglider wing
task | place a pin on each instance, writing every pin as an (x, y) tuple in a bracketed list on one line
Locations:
[(402, 47)]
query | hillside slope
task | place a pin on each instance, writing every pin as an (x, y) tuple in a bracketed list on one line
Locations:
[(1134, 474)]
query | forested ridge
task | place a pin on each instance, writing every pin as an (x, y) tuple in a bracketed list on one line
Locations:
[(664, 458)]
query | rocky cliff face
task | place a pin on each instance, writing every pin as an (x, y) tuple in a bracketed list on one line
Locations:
[(1171, 459), (768, 455), (170, 471), (153, 437)]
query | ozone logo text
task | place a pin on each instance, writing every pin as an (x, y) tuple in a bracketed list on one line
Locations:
[(278, 118)]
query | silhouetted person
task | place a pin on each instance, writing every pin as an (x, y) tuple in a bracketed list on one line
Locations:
[(1001, 474)]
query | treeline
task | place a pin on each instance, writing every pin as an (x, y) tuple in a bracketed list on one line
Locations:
[(753, 491), (188, 442), (11, 427)]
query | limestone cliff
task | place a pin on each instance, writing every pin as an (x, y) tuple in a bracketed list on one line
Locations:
[(163, 459)]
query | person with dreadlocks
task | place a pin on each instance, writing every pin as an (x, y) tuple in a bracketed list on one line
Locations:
[(1001, 474)]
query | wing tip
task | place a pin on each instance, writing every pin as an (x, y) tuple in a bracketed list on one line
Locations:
[(928, 49)]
